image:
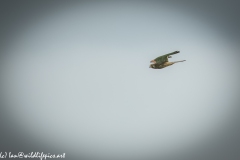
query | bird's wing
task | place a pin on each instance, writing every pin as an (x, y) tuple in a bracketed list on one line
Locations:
[(164, 58), (161, 59)]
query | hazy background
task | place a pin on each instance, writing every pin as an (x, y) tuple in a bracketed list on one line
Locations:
[(75, 79)]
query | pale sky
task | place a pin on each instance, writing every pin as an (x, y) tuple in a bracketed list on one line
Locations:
[(80, 79)]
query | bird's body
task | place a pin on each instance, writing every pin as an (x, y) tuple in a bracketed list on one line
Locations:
[(162, 61), (166, 64)]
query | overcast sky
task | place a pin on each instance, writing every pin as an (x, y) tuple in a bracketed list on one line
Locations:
[(77, 79)]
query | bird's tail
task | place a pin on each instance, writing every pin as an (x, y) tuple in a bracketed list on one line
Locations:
[(179, 61)]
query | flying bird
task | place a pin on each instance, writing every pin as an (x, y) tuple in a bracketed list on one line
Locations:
[(162, 61)]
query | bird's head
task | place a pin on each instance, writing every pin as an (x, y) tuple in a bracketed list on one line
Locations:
[(152, 66), (153, 61)]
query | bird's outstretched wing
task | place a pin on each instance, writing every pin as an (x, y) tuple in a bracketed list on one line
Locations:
[(164, 58)]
